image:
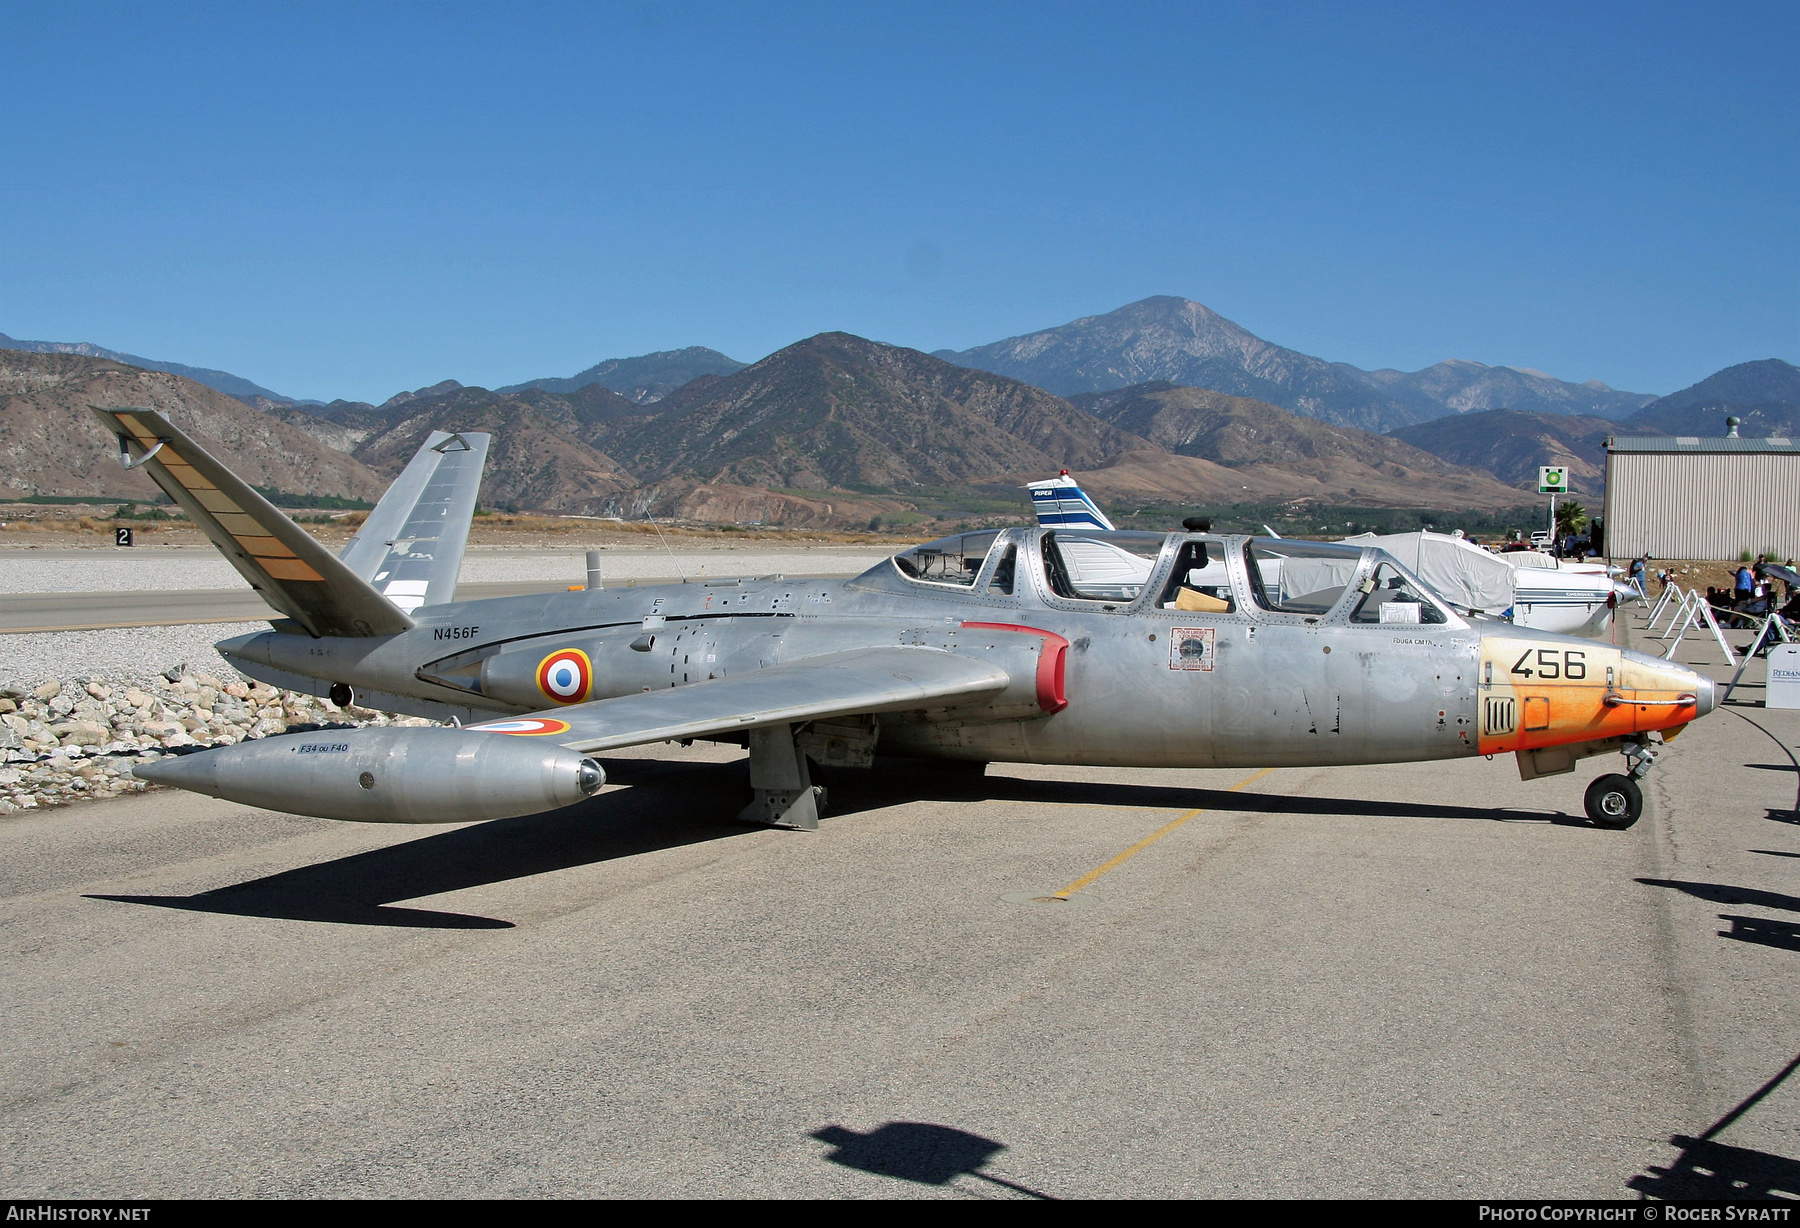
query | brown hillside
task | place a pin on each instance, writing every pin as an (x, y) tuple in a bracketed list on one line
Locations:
[(537, 459), (1511, 444), (840, 411), (1269, 448), (722, 504), (51, 445)]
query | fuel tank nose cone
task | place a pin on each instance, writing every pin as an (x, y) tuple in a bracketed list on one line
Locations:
[(590, 777), (181, 772)]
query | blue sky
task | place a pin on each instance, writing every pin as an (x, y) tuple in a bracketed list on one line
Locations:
[(351, 200)]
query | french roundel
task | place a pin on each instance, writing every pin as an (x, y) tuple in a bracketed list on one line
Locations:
[(530, 726), (566, 675)]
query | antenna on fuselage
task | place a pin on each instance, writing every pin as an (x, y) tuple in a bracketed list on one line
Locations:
[(665, 544)]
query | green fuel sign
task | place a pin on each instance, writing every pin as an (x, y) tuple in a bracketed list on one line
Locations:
[(1553, 480)]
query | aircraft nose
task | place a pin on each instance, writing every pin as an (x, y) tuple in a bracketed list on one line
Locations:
[(1706, 695)]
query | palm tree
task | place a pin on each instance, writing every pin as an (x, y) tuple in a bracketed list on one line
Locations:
[(1571, 518)]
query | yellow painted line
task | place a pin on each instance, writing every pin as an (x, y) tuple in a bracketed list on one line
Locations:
[(1092, 876)]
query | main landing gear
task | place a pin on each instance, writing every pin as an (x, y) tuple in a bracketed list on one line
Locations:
[(781, 787), (1616, 801)]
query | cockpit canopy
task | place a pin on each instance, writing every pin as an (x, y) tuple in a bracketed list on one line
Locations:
[(1278, 575), (1311, 578)]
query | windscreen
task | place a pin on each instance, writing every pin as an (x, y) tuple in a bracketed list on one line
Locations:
[(948, 560)]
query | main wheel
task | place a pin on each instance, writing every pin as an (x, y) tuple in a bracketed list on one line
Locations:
[(1614, 801)]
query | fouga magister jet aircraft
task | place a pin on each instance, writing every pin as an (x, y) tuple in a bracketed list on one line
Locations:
[(1035, 645)]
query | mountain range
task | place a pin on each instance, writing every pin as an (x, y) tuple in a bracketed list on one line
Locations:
[(836, 427), (1511, 444), (1260, 441), (1163, 338), (646, 378), (222, 381), (1765, 395), (51, 445), (1184, 342)]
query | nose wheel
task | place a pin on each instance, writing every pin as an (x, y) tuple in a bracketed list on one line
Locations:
[(1614, 802)]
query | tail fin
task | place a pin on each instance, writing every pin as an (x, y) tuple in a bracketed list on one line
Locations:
[(1061, 504), (412, 543), (283, 562)]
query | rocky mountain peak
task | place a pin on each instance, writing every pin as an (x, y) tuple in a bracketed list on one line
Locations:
[(1177, 339), (436, 390)]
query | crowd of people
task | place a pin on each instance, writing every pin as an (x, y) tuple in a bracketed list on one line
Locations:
[(1752, 595)]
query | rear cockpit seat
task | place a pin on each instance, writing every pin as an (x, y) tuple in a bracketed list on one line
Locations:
[(1199, 584)]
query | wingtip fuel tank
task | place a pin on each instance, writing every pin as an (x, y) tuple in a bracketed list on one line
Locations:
[(413, 775)]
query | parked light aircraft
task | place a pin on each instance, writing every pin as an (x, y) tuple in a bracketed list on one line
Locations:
[(1060, 503), (1574, 599), (1059, 646)]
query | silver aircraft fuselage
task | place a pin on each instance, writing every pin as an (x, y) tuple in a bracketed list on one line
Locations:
[(1128, 680)]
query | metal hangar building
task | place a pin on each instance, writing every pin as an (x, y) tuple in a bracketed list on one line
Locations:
[(1688, 497)]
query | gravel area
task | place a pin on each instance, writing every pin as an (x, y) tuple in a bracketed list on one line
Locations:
[(129, 654), (71, 740), (115, 573)]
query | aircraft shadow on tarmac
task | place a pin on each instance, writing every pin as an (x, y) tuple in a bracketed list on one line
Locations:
[(670, 804), (891, 783), (920, 1152), (1709, 1169), (1784, 935), (674, 804), (1719, 893), (1777, 815)]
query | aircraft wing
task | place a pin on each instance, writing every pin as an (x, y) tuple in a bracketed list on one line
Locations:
[(840, 684)]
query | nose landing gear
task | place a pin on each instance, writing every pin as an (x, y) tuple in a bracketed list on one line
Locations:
[(1615, 801)]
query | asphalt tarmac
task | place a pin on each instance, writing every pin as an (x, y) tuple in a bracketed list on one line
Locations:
[(1424, 980)]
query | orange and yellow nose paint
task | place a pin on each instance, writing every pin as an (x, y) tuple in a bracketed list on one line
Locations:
[(1536, 693)]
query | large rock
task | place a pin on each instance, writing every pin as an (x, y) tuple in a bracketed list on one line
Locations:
[(81, 733)]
